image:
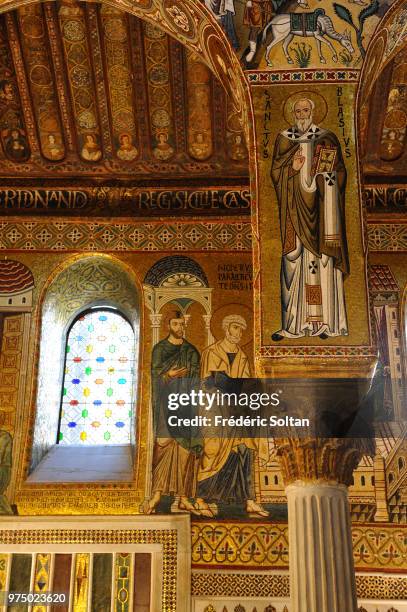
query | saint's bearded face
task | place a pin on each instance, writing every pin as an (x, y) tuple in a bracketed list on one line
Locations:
[(303, 114), (234, 333), (177, 328)]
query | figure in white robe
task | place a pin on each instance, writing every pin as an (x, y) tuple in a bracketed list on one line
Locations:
[(226, 471), (309, 177)]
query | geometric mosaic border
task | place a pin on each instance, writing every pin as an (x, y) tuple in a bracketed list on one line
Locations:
[(239, 545), (299, 352), (158, 236), (126, 236), (222, 584), (264, 546), (258, 77), (387, 236), (381, 587), (225, 584)]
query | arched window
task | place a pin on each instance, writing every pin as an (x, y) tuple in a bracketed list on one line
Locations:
[(362, 481), (97, 396), (87, 374), (401, 463)]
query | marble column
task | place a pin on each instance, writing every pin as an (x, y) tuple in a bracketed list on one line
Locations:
[(317, 473)]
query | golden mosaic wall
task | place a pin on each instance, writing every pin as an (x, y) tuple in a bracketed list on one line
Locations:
[(140, 246), (229, 281), (10, 364)]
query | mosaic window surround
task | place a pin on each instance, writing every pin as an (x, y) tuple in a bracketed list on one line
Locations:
[(99, 380)]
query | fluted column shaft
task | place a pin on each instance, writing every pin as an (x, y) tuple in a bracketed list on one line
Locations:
[(322, 575)]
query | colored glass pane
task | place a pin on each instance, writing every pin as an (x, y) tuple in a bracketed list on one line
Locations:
[(97, 409)]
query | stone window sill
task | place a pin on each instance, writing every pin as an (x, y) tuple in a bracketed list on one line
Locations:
[(85, 464)]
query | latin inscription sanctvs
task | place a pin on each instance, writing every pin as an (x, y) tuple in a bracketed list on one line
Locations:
[(124, 201)]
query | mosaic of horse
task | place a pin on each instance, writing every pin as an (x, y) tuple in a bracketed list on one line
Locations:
[(316, 24)]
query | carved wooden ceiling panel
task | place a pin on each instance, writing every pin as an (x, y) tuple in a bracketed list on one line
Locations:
[(93, 93)]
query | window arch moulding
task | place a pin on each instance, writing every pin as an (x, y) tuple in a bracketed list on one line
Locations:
[(88, 283)]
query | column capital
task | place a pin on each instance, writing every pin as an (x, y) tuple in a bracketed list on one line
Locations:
[(314, 460), (155, 319)]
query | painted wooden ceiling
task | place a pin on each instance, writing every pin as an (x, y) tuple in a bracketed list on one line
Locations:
[(89, 92)]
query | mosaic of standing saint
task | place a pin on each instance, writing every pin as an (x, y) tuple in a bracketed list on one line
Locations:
[(226, 469), (309, 176), (174, 369)]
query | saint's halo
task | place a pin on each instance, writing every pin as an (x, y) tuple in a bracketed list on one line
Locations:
[(319, 113)]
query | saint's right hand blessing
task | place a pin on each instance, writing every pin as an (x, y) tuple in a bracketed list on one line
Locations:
[(298, 160), (177, 372)]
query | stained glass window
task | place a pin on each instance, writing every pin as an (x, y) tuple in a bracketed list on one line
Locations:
[(99, 380)]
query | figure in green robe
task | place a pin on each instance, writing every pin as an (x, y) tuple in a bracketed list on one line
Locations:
[(175, 367)]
